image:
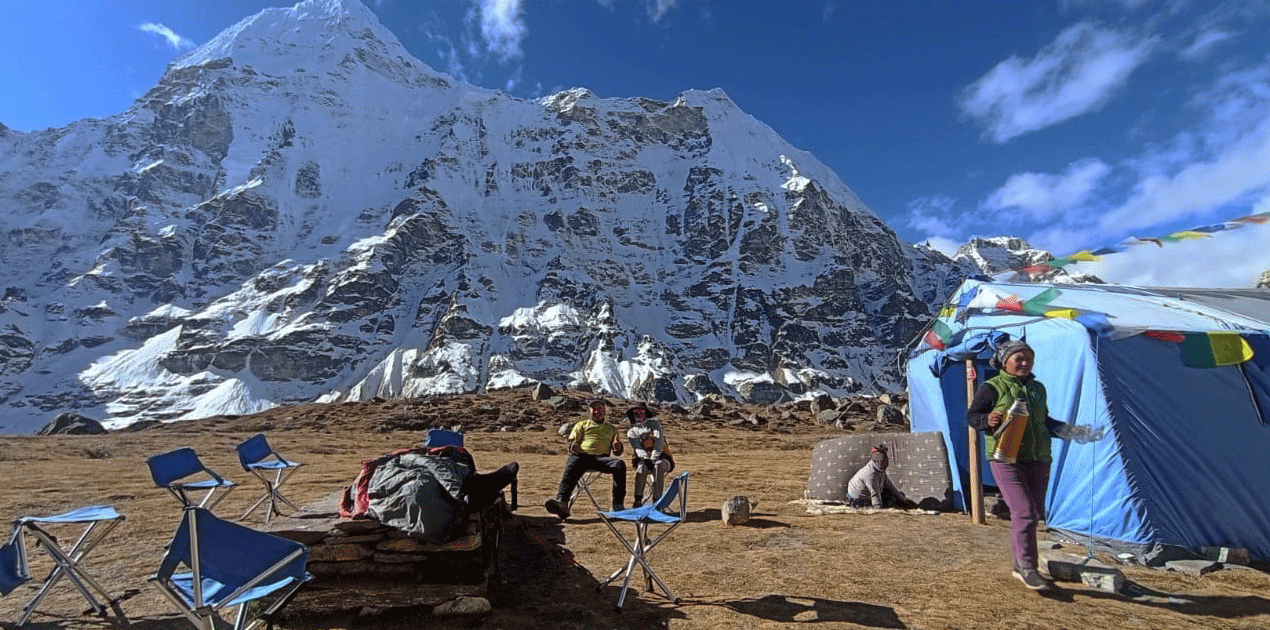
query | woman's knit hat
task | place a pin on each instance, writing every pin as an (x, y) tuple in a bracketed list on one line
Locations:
[(879, 453), (1006, 349)]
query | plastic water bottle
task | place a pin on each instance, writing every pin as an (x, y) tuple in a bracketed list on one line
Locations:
[(1010, 434)]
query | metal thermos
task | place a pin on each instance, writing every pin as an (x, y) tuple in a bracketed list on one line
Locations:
[(1010, 433)]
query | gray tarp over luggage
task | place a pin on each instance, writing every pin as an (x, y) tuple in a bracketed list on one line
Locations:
[(420, 494)]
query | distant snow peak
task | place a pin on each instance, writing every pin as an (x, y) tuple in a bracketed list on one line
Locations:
[(565, 100), (314, 37)]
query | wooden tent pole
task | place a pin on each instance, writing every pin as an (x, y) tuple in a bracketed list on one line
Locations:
[(973, 456)]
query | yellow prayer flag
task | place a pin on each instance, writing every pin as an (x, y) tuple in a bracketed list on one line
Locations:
[(1084, 256), (1065, 313), (1186, 235), (1229, 348)]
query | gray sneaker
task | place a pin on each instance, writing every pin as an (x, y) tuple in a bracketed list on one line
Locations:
[(1032, 579), (557, 507)]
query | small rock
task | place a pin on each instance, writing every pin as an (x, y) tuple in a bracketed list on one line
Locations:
[(463, 606), (736, 510)]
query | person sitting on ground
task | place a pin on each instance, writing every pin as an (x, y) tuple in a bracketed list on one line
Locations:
[(870, 486), (590, 443), (649, 454)]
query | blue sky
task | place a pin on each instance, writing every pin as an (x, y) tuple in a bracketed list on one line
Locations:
[(1073, 123)]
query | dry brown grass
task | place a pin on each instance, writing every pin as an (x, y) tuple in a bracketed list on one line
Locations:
[(783, 569)]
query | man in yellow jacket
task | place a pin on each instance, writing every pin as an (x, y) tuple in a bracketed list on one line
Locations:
[(591, 442)]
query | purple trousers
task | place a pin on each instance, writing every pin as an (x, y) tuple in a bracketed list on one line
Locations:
[(1023, 487)]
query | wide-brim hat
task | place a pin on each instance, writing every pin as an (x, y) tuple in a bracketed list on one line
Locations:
[(648, 413)]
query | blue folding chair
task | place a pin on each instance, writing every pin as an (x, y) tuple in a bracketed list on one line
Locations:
[(97, 522), (643, 517), (259, 459), (229, 565), (170, 470)]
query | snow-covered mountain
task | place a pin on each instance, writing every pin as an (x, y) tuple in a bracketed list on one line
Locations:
[(301, 211), (1000, 255)]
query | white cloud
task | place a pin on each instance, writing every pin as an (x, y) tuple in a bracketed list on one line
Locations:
[(945, 246), (1075, 74), (1223, 161), (826, 13), (446, 51), (655, 8), (502, 26), (933, 215), (1202, 44), (658, 8), (1043, 196), (175, 41), (1225, 259)]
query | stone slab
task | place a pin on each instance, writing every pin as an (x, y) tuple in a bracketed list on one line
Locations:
[(1066, 567), (1192, 567), (1225, 555)]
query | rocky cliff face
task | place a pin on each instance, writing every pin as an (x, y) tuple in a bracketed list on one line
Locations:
[(301, 211)]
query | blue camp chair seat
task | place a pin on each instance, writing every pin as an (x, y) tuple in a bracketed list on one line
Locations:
[(213, 591), (97, 521), (272, 469), (643, 517)]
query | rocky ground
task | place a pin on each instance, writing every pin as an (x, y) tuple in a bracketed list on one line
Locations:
[(786, 567)]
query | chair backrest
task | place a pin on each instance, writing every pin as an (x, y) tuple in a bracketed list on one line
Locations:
[(166, 468), (12, 573), (677, 486), (443, 437), (252, 450), (230, 553)]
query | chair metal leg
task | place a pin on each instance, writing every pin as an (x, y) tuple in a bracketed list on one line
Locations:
[(273, 495), (67, 565)]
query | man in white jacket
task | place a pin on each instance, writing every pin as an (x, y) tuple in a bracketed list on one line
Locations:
[(649, 455)]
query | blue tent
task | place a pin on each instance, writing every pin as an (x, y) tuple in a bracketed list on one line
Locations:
[(1177, 379)]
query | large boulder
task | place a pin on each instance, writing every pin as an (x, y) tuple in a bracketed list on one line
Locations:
[(71, 423)]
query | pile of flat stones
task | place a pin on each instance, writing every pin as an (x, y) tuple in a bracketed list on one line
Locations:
[(359, 563)]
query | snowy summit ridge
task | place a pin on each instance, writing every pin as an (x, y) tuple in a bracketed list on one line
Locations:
[(301, 211)]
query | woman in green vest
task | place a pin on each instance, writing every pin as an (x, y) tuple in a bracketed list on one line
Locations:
[(1024, 476)]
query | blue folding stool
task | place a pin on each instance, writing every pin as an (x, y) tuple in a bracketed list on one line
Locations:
[(170, 470), (643, 517), (97, 522), (226, 565), (258, 458)]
